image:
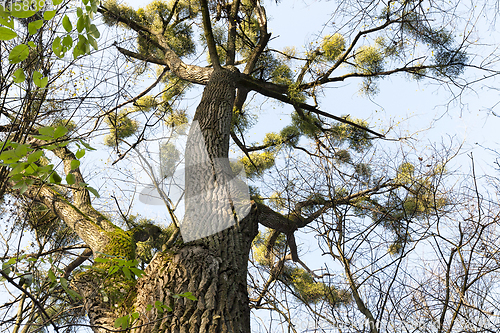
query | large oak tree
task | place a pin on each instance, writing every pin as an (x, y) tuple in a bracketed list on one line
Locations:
[(412, 38)]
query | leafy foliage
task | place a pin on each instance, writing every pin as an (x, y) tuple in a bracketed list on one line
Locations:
[(333, 46), (176, 31), (121, 126)]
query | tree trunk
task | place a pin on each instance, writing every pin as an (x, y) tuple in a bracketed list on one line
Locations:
[(213, 268)]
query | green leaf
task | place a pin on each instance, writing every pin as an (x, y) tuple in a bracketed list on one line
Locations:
[(80, 153), (80, 47), (7, 34), (31, 169), (80, 24), (68, 291), (138, 272), (57, 47), (39, 80), (94, 31), (49, 14), (122, 322), (34, 26), (19, 76), (7, 21), (113, 269), (92, 41), (93, 191), (19, 53), (83, 44), (11, 261), (64, 282), (9, 156), (134, 316), (52, 276), (102, 260), (55, 178), (6, 268), (18, 12), (33, 157), (126, 271), (70, 179), (56, 2), (75, 164), (159, 306), (86, 145), (188, 295), (32, 44), (60, 131), (68, 41), (18, 179), (47, 130), (43, 137), (22, 150), (73, 294), (149, 307), (67, 23), (87, 22)]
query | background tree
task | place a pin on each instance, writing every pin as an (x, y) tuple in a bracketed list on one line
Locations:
[(345, 196)]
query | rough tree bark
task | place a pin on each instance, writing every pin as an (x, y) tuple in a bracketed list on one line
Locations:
[(213, 268)]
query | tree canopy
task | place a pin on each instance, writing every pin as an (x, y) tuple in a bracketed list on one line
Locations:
[(404, 246)]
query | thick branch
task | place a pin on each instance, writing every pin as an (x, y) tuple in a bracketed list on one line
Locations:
[(88, 230), (273, 220), (242, 92), (288, 225), (91, 226), (231, 38), (209, 35), (77, 262), (142, 57), (254, 85), (263, 40), (191, 73)]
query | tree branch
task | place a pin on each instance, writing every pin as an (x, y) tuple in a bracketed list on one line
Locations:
[(142, 57), (77, 262), (254, 85), (231, 34), (191, 73), (263, 40), (209, 35)]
